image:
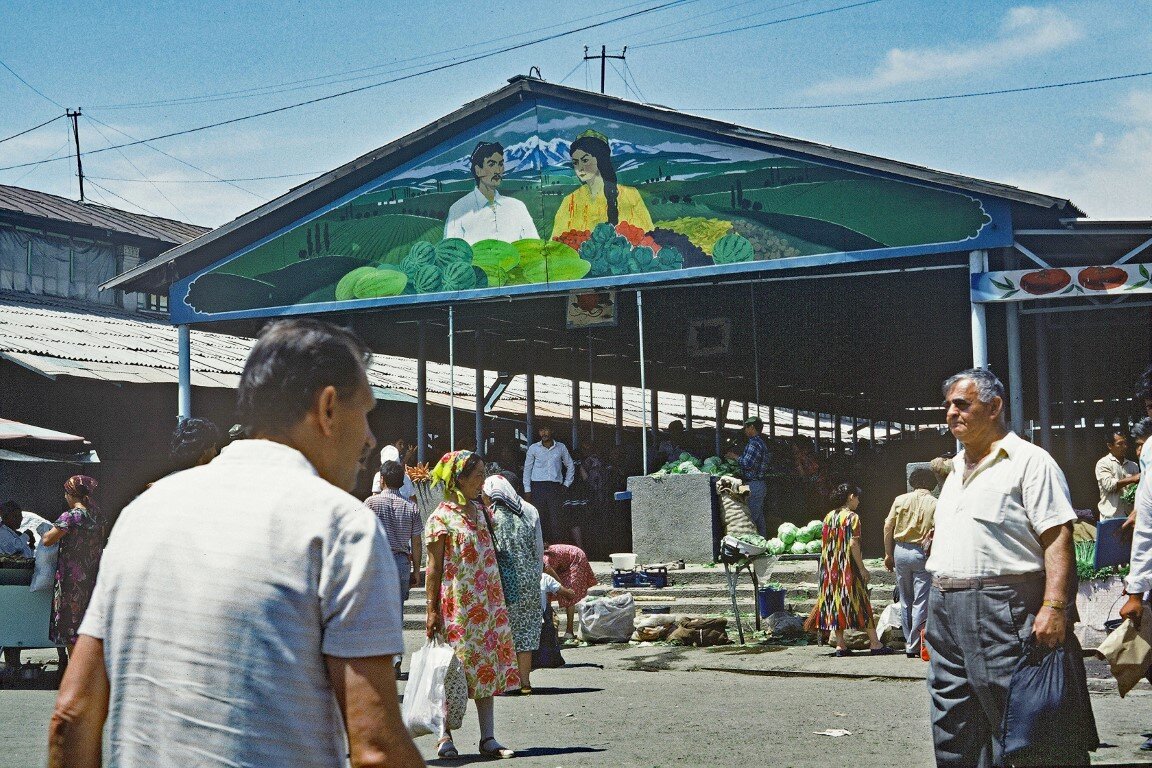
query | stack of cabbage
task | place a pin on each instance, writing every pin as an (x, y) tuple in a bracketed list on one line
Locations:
[(688, 464), (792, 540)]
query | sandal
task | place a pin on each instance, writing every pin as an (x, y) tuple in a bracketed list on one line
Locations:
[(842, 652), (445, 748), (881, 651), (496, 750), (525, 690)]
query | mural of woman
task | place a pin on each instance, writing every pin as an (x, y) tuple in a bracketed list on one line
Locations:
[(599, 198)]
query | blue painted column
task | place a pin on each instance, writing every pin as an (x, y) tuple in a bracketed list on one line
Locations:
[(184, 371)]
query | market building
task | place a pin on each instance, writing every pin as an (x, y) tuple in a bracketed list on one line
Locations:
[(544, 230)]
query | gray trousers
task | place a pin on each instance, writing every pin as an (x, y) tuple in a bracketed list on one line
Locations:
[(914, 582), (975, 638), (757, 490)]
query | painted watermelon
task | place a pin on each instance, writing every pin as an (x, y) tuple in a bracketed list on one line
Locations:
[(732, 249), (459, 276), (426, 279), (452, 250)]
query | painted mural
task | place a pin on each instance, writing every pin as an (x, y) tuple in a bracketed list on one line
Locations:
[(552, 196)]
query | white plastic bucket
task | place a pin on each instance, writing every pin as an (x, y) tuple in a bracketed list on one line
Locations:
[(623, 561)]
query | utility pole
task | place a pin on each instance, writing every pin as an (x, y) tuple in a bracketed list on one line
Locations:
[(603, 56), (76, 135)]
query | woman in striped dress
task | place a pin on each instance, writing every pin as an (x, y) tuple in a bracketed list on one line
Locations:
[(843, 601)]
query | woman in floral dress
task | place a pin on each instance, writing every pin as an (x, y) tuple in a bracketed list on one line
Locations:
[(843, 600), (520, 551), (80, 532), (465, 598), (568, 564)]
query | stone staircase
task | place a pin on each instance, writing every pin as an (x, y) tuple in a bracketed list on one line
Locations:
[(701, 590)]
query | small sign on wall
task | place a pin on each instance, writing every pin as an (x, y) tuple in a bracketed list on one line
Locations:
[(591, 309)]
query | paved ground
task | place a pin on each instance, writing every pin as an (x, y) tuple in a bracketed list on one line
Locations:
[(655, 706)]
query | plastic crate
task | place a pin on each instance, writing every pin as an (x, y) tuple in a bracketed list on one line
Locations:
[(653, 578)]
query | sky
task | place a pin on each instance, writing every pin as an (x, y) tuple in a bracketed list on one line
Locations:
[(141, 70)]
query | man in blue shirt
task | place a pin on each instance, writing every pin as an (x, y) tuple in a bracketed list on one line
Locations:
[(754, 464)]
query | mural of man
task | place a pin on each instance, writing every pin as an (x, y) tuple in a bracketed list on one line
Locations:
[(484, 214)]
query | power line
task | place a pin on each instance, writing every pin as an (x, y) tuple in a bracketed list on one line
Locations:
[(722, 22), (757, 26), (127, 201), (207, 181), (142, 174), (923, 98), (36, 90), (362, 88), (628, 71), (33, 128), (579, 64), (37, 166), (334, 78), (177, 159)]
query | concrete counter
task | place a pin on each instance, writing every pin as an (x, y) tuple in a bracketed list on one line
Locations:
[(674, 518)]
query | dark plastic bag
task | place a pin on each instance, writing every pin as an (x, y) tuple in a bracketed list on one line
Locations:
[(1048, 718)]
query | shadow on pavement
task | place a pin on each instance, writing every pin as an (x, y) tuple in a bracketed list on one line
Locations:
[(466, 759), (539, 691)]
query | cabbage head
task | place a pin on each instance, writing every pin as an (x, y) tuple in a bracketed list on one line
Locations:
[(787, 533), (813, 547), (775, 547), (799, 549)]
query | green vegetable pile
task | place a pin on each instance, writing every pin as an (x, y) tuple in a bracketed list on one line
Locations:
[(612, 254), (1129, 493), (688, 464), (1085, 568), (793, 540)]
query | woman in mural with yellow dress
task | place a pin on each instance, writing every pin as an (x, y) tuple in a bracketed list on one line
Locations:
[(599, 199)]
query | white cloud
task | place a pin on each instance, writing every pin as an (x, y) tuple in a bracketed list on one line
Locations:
[(1111, 174), (1025, 32)]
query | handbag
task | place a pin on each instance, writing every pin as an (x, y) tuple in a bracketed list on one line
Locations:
[(1128, 651), (1049, 685), (509, 581)]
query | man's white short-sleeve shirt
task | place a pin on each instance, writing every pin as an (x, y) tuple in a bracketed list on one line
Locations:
[(220, 592), (473, 218), (990, 523)]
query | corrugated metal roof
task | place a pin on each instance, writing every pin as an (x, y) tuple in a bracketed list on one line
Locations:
[(42, 205)]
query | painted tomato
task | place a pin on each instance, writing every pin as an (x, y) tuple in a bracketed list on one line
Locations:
[(586, 301), (1045, 281), (1102, 278)]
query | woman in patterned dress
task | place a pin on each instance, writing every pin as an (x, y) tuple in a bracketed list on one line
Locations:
[(465, 599), (568, 564), (843, 601), (80, 532), (520, 549)]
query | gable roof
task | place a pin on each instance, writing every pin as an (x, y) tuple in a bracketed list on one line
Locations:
[(42, 209), (183, 260)]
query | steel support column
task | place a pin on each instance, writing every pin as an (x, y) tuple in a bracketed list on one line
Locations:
[(643, 379), (479, 391), (1015, 371), (530, 408), (978, 262), (619, 414), (1043, 388), (184, 372), (421, 394)]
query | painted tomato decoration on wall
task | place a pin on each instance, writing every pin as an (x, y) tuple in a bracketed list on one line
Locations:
[(1045, 281), (1102, 278)]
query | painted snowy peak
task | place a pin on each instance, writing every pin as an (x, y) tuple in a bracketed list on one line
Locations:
[(536, 154)]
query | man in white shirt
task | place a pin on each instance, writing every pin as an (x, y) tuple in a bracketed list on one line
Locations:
[(1139, 579), (246, 611), (12, 541), (1115, 472), (401, 453), (484, 214), (548, 472), (1003, 568)]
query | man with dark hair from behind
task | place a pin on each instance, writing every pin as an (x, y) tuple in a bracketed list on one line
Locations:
[(195, 441), (278, 649), (403, 525)]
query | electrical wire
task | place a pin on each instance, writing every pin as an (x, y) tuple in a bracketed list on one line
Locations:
[(339, 77), (205, 181), (34, 168), (317, 100), (124, 199), (177, 159), (636, 85), (578, 65), (623, 79), (35, 90), (33, 128), (922, 99), (756, 26), (722, 22), (143, 175)]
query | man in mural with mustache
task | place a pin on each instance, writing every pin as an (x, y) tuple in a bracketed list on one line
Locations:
[(485, 214)]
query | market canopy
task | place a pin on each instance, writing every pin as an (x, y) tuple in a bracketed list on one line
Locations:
[(773, 270), (26, 442)]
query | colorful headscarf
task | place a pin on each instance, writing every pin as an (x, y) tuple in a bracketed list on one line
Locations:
[(76, 482), (499, 489), (447, 473)]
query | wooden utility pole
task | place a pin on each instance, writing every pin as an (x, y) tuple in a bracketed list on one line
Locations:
[(603, 56), (74, 116)]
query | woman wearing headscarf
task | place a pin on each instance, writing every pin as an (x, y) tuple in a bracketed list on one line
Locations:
[(465, 597), (568, 564), (80, 533), (520, 555), (599, 198)]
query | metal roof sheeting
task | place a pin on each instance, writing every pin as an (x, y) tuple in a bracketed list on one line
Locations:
[(42, 205)]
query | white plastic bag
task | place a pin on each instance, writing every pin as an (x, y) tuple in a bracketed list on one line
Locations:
[(425, 701), (607, 619), (890, 617), (44, 572)]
